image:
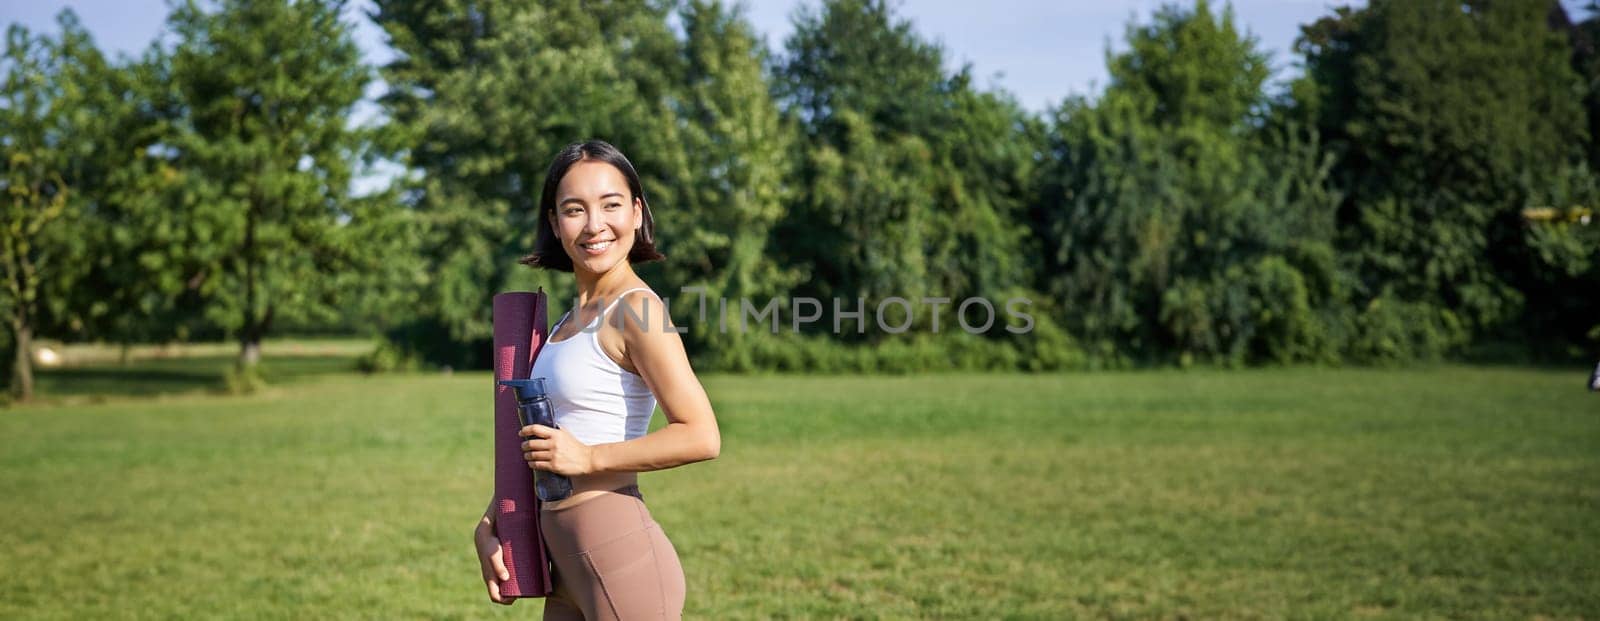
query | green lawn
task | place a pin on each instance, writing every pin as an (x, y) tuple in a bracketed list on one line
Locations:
[(1446, 492)]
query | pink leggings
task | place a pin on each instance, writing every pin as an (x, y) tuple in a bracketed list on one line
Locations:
[(611, 561)]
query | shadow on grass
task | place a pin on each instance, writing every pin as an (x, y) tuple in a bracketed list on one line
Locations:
[(125, 382), (171, 376)]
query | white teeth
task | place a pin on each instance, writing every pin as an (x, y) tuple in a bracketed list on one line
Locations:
[(598, 246)]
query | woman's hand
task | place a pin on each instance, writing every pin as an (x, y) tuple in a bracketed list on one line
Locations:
[(490, 559), (556, 450)]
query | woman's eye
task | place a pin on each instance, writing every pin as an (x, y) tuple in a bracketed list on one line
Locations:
[(613, 206)]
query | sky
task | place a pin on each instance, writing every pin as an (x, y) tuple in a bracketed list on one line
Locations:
[(1045, 50), (1040, 50)]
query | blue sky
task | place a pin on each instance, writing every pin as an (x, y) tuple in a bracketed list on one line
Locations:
[(1039, 50)]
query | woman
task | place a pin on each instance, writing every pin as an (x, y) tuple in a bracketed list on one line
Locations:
[(607, 362)]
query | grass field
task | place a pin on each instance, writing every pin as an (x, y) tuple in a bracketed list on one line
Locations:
[(1450, 492), (99, 373)]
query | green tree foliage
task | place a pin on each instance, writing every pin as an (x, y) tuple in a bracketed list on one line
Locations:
[(864, 89), (1562, 268), (142, 275), (1584, 38), (35, 189), (46, 112), (1174, 229), (263, 91), (736, 146), (1373, 210), (912, 182), (484, 94), (1448, 119), (1558, 272)]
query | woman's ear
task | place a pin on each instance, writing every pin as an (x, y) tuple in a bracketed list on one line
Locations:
[(638, 213)]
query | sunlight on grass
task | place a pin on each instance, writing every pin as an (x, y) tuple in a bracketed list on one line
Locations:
[(1451, 492)]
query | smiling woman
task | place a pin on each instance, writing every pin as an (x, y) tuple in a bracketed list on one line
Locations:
[(602, 175), (605, 373)]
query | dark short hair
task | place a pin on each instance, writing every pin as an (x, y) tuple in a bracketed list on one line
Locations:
[(547, 250)]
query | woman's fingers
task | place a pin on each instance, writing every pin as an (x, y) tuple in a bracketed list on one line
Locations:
[(486, 568), (494, 591), (492, 563), (486, 563), (538, 445), (497, 560), (540, 451), (495, 596), (539, 455)]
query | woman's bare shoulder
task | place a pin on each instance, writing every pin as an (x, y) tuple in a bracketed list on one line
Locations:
[(640, 310)]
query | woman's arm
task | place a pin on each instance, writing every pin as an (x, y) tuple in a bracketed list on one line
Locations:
[(656, 354), (491, 560)]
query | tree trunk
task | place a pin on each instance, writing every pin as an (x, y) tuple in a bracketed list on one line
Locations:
[(249, 352), (250, 339), (22, 371), (250, 333)]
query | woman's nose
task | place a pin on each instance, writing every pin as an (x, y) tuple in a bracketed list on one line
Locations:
[(594, 223)]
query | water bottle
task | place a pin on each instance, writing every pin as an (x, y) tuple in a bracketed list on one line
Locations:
[(533, 408)]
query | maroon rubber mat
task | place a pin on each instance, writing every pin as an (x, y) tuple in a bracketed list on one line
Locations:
[(519, 332)]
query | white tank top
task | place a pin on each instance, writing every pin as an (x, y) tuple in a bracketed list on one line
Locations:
[(595, 399)]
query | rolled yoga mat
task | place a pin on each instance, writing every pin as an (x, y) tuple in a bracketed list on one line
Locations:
[(519, 332)]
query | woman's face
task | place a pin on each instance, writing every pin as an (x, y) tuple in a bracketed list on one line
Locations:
[(596, 216)]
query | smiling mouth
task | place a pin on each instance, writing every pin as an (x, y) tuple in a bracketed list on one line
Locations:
[(597, 247)]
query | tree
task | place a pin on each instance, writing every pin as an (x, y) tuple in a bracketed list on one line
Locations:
[(910, 179), (44, 121), (1182, 226), (138, 283), (985, 162), (482, 95), (1448, 119), (1559, 274), (864, 89), (736, 146), (264, 91)]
